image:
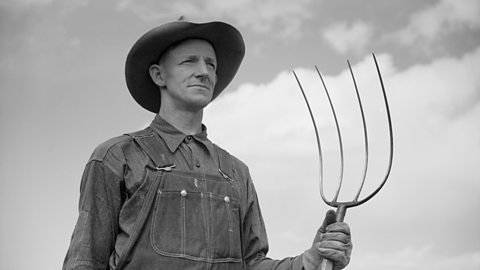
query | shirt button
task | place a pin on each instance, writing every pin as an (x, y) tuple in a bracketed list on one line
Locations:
[(226, 199), (183, 193), (198, 164), (189, 137)]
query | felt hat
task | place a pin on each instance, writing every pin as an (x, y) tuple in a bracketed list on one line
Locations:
[(225, 39)]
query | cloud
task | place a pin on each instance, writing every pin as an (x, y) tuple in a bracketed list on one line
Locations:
[(24, 3), (283, 18), (416, 258), (345, 38), (279, 112), (450, 89), (67, 4), (436, 111), (440, 20)]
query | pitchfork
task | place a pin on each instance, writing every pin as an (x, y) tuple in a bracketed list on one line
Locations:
[(342, 206)]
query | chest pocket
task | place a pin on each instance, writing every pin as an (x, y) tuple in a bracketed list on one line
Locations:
[(196, 218)]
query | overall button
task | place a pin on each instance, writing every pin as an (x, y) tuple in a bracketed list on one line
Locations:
[(183, 193), (226, 199)]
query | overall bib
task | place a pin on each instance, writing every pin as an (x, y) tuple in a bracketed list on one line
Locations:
[(188, 220)]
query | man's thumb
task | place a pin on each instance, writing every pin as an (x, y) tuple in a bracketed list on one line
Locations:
[(330, 217)]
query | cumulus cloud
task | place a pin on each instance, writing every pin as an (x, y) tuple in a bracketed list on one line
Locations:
[(345, 38), (24, 2), (68, 4), (416, 258), (283, 18), (439, 20), (279, 113), (436, 111)]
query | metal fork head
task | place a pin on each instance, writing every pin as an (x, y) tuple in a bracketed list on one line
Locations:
[(343, 205)]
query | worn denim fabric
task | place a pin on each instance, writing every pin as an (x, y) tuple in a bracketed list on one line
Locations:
[(194, 223), (113, 189)]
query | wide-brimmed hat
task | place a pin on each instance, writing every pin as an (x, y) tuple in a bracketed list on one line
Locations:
[(225, 39)]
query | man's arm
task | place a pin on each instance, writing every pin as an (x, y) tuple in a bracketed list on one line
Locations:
[(332, 241), (94, 235), (255, 240)]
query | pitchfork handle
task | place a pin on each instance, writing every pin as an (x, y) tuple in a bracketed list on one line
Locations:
[(341, 211)]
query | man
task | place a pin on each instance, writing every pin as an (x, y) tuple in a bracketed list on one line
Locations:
[(166, 197)]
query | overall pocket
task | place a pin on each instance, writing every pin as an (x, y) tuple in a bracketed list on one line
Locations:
[(191, 223), (178, 225), (226, 227)]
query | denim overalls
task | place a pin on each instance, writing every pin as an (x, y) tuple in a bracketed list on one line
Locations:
[(188, 220)]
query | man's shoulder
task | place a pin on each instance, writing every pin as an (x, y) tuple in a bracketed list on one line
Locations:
[(112, 146), (236, 162), (115, 147)]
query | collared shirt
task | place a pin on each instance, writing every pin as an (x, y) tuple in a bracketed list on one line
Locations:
[(109, 201), (196, 152)]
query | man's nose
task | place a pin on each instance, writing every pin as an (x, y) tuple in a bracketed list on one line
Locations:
[(202, 68)]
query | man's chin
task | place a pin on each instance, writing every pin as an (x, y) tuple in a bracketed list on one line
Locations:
[(200, 103)]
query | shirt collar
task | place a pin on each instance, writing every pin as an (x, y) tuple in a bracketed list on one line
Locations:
[(174, 137)]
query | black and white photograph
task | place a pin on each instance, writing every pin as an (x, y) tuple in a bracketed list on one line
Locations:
[(243, 134)]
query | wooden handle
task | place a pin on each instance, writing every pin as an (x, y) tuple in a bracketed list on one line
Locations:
[(326, 265), (340, 215)]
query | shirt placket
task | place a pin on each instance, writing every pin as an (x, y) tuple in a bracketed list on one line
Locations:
[(187, 151), (193, 153)]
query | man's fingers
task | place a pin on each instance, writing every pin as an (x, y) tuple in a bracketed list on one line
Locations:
[(332, 254), (340, 259), (334, 245), (339, 237), (338, 227), (339, 253)]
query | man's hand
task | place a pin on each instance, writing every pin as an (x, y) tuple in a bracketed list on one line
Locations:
[(332, 241)]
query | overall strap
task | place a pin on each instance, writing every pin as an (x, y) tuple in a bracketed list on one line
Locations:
[(227, 170), (225, 162), (153, 146), (141, 219)]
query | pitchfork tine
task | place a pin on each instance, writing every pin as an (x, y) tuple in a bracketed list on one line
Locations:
[(340, 144), (319, 146), (390, 130), (365, 134)]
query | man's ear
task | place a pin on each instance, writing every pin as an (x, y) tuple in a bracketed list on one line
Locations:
[(156, 73)]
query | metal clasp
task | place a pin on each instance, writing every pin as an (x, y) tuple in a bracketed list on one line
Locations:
[(166, 168), (225, 175)]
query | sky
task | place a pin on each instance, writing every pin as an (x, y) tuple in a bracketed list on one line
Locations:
[(63, 92)]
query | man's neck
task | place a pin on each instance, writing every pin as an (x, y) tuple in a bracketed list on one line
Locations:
[(187, 122)]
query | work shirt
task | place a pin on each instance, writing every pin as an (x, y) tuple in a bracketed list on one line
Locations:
[(111, 197)]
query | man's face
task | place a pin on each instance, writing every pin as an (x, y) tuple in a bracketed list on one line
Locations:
[(188, 75)]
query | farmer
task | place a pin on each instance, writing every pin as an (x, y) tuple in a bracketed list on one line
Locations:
[(166, 197)]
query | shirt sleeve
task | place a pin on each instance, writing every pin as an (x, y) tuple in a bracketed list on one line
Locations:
[(94, 235), (255, 238)]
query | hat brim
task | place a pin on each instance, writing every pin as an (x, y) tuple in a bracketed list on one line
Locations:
[(225, 39)]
